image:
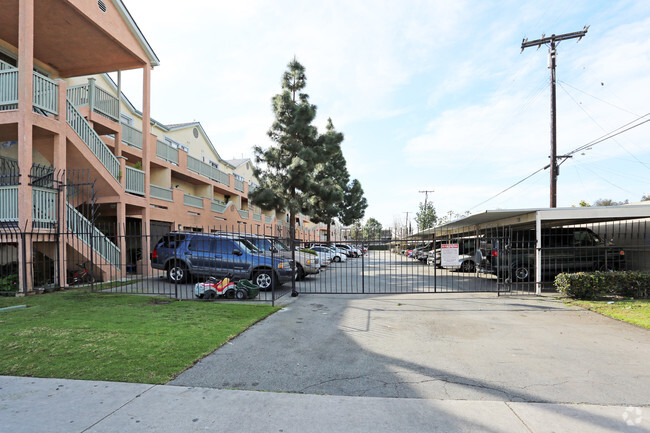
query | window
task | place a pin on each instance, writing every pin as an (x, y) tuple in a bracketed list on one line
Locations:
[(238, 177), (203, 245), (214, 164), (127, 120), (175, 144)]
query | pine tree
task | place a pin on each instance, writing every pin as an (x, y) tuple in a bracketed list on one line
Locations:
[(287, 167), (354, 204), (331, 179)]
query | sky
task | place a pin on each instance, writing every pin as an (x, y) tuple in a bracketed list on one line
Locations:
[(430, 95)]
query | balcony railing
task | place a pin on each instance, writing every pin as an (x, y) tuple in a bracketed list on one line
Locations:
[(134, 181), (160, 192), (8, 203), (92, 236), (193, 201), (44, 204), (8, 87), (92, 140), (218, 206), (46, 94), (239, 185), (257, 217), (166, 152), (268, 220), (131, 136), (243, 213), (97, 98), (200, 167)]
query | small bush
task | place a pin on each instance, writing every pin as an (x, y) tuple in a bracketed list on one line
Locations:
[(308, 251), (590, 285), (9, 283)]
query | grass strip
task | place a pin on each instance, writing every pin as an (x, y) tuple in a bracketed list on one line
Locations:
[(636, 312), (115, 337)]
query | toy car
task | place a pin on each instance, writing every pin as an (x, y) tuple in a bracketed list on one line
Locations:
[(243, 289)]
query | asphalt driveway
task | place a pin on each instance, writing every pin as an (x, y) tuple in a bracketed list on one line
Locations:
[(436, 346)]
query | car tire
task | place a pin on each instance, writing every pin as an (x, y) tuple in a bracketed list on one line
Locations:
[(336, 259), (230, 294), (209, 294), (177, 273), (467, 266), (241, 294), (300, 273), (264, 278)]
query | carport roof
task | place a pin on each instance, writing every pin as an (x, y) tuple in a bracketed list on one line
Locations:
[(548, 216)]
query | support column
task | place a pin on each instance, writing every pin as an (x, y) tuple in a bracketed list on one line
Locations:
[(121, 235), (59, 162), (25, 141), (147, 146)]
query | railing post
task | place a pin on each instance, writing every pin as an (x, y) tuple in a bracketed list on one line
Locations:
[(91, 95)]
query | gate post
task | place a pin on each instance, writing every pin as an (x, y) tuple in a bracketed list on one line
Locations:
[(363, 277)]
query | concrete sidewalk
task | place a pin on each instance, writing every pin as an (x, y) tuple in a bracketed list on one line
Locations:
[(30, 405)]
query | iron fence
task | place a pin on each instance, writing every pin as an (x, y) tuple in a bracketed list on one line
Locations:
[(157, 260)]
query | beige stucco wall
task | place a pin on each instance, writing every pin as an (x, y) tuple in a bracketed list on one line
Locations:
[(160, 177)]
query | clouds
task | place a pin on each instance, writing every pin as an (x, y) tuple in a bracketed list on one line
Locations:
[(429, 94)]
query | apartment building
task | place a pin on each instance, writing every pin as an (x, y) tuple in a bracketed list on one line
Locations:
[(61, 113)]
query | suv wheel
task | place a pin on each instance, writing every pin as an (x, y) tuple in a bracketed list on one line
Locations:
[(467, 266), (300, 273), (177, 273), (264, 278)]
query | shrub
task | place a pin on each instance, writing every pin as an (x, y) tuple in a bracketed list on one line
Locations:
[(589, 285), (9, 283), (308, 251)]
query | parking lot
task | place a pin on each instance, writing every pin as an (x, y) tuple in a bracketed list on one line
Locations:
[(374, 273)]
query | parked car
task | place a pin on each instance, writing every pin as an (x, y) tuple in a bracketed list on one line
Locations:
[(350, 250), (305, 263), (334, 254), (566, 249), (187, 254)]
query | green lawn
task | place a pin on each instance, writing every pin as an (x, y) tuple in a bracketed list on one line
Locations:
[(636, 312), (128, 338)]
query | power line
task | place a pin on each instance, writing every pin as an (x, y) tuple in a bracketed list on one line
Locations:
[(605, 137), (553, 41)]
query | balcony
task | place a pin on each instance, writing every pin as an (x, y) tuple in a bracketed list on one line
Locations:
[(243, 214), (46, 91), (193, 201), (161, 193), (131, 136), (218, 206), (200, 167), (134, 181), (166, 152), (239, 185), (98, 99)]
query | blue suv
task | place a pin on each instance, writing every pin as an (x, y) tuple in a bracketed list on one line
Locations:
[(186, 254)]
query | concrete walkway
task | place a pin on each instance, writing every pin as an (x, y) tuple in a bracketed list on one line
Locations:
[(29, 405), (380, 363)]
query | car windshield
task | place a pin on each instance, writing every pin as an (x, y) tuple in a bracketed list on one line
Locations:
[(281, 247)]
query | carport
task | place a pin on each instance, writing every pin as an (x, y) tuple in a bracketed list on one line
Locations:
[(628, 222)]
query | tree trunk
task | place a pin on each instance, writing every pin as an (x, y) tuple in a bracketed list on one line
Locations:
[(329, 237)]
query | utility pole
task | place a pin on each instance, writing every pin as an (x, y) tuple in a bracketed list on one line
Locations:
[(552, 42), (426, 196), (407, 223)]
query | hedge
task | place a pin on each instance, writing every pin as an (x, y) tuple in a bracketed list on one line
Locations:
[(590, 285)]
